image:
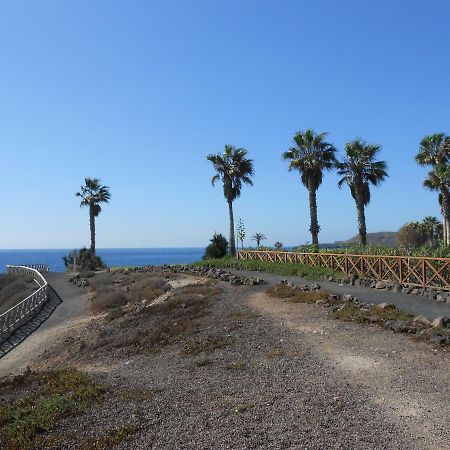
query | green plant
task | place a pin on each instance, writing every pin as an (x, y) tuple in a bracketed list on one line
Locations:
[(241, 232), (278, 245), (412, 235), (217, 248), (258, 237), (92, 194), (311, 155), (233, 168), (358, 170), (83, 259), (434, 151)]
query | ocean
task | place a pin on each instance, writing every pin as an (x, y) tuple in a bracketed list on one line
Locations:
[(112, 257)]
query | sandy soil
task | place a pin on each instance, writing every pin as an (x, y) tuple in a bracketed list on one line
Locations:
[(285, 377)]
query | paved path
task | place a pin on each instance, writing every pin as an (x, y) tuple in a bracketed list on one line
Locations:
[(415, 304), (73, 306)]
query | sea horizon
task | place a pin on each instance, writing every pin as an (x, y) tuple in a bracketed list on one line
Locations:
[(113, 257)]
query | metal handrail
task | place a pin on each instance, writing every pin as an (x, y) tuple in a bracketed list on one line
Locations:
[(17, 315)]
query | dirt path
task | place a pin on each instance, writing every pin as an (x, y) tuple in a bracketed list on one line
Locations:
[(415, 304), (408, 380), (66, 315)]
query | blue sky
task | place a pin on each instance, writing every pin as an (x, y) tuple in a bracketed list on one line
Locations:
[(138, 93)]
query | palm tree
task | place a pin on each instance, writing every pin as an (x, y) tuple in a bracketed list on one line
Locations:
[(435, 152), (432, 225), (92, 194), (438, 179), (278, 245), (233, 168), (359, 169), (311, 155), (258, 237)]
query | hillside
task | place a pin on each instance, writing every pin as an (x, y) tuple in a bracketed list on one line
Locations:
[(387, 238)]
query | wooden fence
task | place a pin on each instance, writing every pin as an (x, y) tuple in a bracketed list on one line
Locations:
[(422, 272)]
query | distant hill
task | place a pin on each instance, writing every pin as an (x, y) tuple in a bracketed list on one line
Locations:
[(388, 238)]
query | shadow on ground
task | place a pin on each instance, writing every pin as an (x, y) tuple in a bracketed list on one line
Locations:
[(32, 325)]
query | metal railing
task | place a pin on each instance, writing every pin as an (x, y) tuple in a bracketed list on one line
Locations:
[(416, 271), (20, 313)]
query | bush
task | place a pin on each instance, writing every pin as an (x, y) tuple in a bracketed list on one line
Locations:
[(85, 260), (218, 248), (108, 299), (412, 235)]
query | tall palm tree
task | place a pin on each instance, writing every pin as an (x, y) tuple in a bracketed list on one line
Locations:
[(359, 169), (438, 179), (233, 168), (92, 194), (432, 225), (258, 237), (311, 155), (434, 151)]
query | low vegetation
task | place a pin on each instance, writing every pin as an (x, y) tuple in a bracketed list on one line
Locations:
[(286, 269), (351, 313), (296, 296), (13, 289), (44, 399)]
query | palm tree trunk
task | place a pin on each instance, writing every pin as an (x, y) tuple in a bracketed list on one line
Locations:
[(446, 215), (232, 241), (314, 228), (92, 227), (361, 222)]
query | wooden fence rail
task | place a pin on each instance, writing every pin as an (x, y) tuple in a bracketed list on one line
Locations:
[(422, 272)]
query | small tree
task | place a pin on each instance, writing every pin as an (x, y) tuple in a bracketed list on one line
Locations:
[(241, 232), (258, 237), (218, 247), (278, 245), (412, 235)]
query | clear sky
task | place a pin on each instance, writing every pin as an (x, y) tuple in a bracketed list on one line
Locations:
[(137, 93)]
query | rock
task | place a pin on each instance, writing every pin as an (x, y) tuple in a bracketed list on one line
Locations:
[(397, 288), (397, 326), (381, 285), (422, 320), (440, 322), (315, 287), (386, 306), (439, 339), (432, 294), (441, 297), (353, 279), (406, 290), (347, 298), (373, 284), (373, 319)]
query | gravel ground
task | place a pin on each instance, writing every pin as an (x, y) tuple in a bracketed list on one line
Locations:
[(289, 378)]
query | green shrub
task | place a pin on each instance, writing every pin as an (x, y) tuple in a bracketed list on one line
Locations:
[(85, 260), (218, 247)]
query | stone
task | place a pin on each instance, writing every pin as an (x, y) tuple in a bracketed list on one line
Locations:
[(315, 287), (432, 294), (397, 326), (386, 306), (441, 297), (347, 298), (422, 320), (373, 319), (439, 339), (440, 322), (397, 288), (381, 285)]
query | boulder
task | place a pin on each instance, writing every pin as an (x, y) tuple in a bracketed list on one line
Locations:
[(347, 298), (422, 320), (440, 322), (315, 287), (382, 285), (386, 306), (397, 326)]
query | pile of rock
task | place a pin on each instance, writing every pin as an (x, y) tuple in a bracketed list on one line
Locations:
[(207, 271), (78, 280)]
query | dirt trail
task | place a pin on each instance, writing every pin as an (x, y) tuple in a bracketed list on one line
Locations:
[(408, 380), (68, 314)]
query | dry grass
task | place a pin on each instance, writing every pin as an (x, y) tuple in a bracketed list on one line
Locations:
[(242, 315), (235, 365), (243, 407), (351, 313), (13, 289), (149, 288), (295, 296), (207, 345), (107, 299), (275, 352)]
